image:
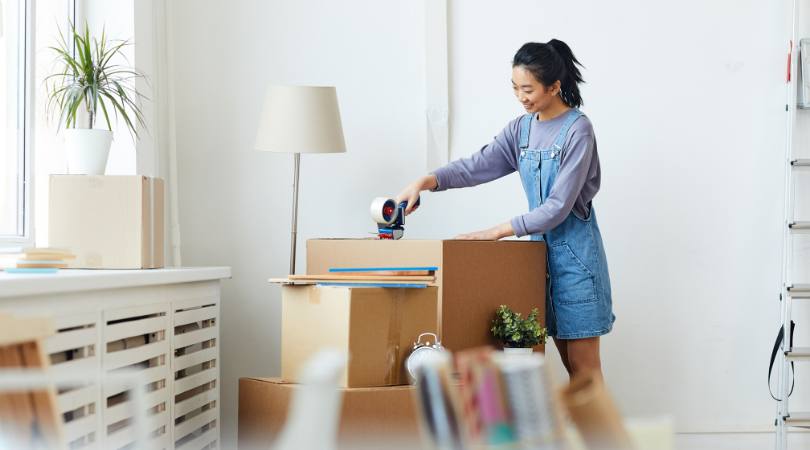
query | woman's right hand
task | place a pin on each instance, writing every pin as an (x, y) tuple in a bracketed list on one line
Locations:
[(411, 193)]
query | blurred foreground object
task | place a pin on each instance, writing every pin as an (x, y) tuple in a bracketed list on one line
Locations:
[(440, 422), (28, 419), (535, 420), (497, 402), (595, 414), (313, 420)]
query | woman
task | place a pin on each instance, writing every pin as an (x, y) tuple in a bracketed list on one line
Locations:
[(553, 147)]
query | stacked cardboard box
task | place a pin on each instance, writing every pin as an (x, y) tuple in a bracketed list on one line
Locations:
[(378, 326), (375, 326), (368, 416), (474, 277)]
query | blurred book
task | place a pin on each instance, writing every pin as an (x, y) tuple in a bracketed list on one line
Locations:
[(32, 263), (34, 258), (32, 270), (36, 250)]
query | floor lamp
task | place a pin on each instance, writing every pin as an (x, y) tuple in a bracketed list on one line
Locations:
[(300, 119)]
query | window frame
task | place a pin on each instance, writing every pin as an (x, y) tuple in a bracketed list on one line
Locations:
[(26, 170), (25, 164)]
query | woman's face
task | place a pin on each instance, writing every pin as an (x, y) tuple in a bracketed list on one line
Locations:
[(529, 92)]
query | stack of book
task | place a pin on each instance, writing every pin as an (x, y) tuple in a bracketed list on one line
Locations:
[(394, 277), (34, 260)]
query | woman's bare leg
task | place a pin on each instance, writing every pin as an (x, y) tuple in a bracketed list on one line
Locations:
[(580, 354), (562, 347)]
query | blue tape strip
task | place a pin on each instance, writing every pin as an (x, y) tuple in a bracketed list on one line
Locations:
[(31, 270), (383, 285), (387, 269)]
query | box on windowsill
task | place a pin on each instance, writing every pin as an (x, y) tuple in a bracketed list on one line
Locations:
[(108, 221)]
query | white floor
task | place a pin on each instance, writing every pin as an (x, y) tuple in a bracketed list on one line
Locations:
[(739, 441)]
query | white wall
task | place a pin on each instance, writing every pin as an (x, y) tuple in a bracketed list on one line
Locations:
[(687, 100)]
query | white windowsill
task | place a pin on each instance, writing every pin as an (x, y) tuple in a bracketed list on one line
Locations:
[(73, 280)]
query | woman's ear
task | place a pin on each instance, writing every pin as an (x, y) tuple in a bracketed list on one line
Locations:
[(554, 89)]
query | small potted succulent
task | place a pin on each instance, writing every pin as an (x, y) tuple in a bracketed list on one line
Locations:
[(518, 335), (91, 81)]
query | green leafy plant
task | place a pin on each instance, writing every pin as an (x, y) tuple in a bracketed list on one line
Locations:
[(88, 77), (510, 329)]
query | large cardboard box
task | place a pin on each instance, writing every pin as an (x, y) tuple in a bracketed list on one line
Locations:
[(474, 277), (380, 417), (375, 326), (108, 222)]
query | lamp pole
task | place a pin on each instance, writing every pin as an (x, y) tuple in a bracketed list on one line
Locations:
[(295, 213)]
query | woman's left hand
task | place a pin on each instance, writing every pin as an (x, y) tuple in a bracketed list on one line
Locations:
[(486, 235), (493, 234)]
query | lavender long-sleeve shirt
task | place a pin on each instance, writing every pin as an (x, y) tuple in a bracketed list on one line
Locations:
[(577, 180)]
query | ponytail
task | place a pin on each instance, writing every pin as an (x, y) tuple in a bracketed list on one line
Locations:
[(551, 62)]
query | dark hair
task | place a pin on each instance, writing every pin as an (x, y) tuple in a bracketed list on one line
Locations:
[(550, 62)]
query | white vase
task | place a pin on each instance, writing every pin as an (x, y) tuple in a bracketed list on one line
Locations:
[(517, 353), (87, 150)]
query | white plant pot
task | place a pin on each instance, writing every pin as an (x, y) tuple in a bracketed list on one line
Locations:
[(87, 150), (517, 353)]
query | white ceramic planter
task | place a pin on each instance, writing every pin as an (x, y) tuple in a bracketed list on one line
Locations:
[(517, 353), (87, 150)]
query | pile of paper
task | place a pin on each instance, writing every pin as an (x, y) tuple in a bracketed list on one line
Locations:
[(34, 260)]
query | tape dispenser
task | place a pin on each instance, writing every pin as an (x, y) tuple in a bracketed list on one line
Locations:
[(390, 217)]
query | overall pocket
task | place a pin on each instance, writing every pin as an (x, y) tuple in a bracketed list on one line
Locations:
[(573, 282)]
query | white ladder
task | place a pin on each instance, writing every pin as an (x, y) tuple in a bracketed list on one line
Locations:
[(790, 291)]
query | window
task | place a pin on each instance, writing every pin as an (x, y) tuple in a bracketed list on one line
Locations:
[(15, 89), (25, 60)]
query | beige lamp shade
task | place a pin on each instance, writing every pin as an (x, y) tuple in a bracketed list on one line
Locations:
[(300, 119)]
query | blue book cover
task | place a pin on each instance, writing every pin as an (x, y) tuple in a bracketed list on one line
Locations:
[(31, 270), (385, 269)]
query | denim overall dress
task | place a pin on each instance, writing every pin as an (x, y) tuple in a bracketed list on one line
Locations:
[(578, 301)]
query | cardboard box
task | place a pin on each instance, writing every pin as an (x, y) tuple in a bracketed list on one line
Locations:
[(474, 277), (108, 222), (376, 326), (380, 417)]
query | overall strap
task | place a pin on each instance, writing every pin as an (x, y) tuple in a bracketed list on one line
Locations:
[(576, 114), (524, 130)]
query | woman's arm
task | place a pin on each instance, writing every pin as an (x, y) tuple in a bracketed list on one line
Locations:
[(575, 170), (495, 160), (411, 193)]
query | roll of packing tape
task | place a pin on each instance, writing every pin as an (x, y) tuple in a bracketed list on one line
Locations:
[(384, 210), (182, 329), (124, 344)]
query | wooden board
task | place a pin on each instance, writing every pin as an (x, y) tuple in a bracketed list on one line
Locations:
[(28, 417), (378, 269), (377, 278), (319, 280), (46, 407), (17, 331)]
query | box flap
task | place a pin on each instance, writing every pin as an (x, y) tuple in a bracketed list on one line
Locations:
[(325, 309), (158, 243)]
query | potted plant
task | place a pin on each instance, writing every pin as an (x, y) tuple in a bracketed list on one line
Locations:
[(86, 79), (517, 334)]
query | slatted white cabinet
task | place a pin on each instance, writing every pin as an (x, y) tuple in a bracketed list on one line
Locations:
[(164, 323)]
